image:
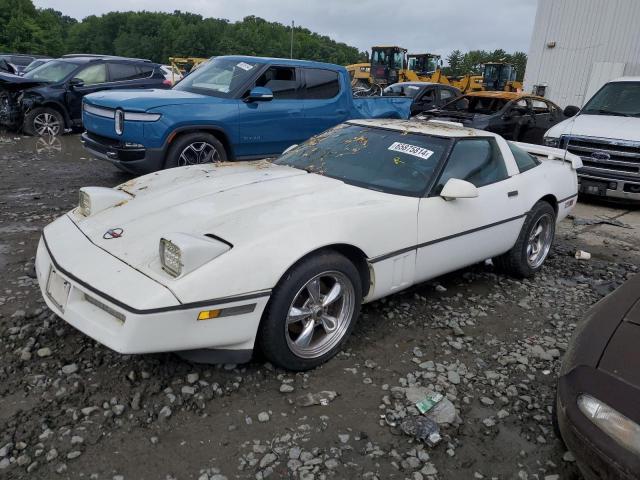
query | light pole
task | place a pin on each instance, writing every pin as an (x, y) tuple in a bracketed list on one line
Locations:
[(291, 49)]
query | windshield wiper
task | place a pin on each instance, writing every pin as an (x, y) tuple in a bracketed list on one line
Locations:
[(608, 112)]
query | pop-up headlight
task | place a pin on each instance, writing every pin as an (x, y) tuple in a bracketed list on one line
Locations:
[(181, 253), (92, 200)]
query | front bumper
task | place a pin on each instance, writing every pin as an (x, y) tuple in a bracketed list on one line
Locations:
[(100, 308), (11, 113), (596, 183), (134, 160), (598, 455)]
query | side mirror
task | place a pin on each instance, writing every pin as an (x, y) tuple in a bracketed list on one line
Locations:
[(455, 188), (76, 82), (570, 111), (259, 94)]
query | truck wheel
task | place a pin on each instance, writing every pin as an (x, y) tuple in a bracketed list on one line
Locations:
[(533, 244), (43, 121), (194, 149), (311, 313)]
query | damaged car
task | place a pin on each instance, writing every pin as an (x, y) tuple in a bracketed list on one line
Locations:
[(515, 116), (597, 412), (48, 99), (215, 260)]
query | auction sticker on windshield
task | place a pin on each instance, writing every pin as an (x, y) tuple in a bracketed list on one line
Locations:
[(244, 66), (414, 150)]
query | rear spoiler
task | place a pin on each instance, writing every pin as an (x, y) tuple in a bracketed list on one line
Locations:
[(551, 153)]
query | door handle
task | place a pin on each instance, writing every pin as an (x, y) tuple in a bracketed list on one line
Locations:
[(341, 111), (513, 193)]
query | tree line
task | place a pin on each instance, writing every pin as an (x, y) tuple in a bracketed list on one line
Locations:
[(158, 36)]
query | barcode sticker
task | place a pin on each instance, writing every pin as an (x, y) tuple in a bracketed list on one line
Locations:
[(413, 150), (244, 66)]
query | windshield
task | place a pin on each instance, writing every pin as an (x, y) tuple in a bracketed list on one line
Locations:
[(401, 90), (379, 57), (398, 60), (423, 64), (33, 65), (618, 98), (53, 71), (219, 77), (384, 160), (473, 104)]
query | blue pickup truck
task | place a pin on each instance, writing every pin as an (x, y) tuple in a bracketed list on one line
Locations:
[(231, 108)]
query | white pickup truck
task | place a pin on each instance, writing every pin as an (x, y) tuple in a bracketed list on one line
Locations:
[(605, 133)]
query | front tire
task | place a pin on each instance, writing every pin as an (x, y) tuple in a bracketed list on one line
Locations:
[(195, 149), (312, 312), (527, 256), (43, 121)]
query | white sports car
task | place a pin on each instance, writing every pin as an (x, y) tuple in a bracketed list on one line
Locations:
[(216, 260)]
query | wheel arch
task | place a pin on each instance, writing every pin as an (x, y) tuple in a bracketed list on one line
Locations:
[(58, 108), (354, 254), (37, 103), (551, 200), (217, 132)]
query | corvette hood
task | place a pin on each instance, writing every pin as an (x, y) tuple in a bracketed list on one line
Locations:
[(143, 100), (227, 200), (603, 126)]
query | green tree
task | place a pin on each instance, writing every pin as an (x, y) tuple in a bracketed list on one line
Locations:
[(454, 60)]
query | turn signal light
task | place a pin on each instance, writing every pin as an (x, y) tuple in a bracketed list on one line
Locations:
[(209, 314)]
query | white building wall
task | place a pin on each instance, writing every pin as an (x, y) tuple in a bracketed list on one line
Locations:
[(595, 41)]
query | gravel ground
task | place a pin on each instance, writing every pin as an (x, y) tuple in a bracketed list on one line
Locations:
[(490, 344)]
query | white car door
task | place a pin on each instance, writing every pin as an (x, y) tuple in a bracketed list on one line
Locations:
[(455, 233)]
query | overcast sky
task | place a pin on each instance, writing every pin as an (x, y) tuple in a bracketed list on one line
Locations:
[(437, 26)]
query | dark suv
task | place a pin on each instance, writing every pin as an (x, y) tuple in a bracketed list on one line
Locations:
[(16, 62), (48, 99)]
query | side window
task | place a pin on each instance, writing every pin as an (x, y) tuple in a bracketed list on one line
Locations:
[(539, 106), (282, 82), (477, 161), (119, 72), (524, 160), (428, 96), (321, 84), (145, 71), (21, 60), (446, 95), (93, 74)]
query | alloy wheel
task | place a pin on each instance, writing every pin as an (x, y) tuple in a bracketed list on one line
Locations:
[(320, 314), (197, 153), (540, 240), (46, 123)]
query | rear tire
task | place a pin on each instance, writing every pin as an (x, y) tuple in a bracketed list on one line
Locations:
[(529, 253), (195, 149), (43, 121), (301, 329)]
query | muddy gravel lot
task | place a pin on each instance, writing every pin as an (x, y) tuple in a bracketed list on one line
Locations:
[(492, 345)]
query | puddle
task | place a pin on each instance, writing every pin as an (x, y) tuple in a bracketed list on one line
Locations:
[(42, 147)]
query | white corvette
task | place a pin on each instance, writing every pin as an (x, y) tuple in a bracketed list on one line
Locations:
[(216, 260)]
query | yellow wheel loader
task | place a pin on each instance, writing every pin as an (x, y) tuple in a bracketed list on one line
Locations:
[(499, 76)]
